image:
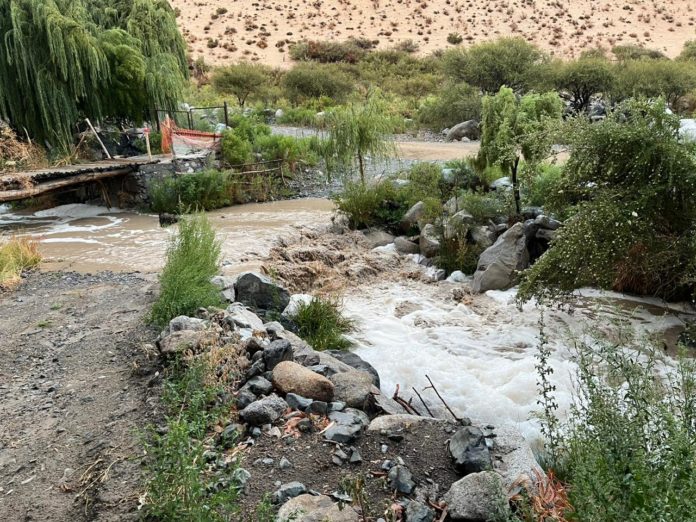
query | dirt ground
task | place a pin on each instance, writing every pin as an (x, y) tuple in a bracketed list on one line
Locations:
[(74, 374)]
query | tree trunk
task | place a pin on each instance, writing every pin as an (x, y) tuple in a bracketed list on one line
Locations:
[(516, 186), (362, 169)]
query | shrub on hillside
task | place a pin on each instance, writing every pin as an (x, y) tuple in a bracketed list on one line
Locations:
[(308, 81), (243, 80), (452, 104), (579, 80), (322, 324), (329, 51), (630, 183), (192, 260), (636, 52), (655, 78)]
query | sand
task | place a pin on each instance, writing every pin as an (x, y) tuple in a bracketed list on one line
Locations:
[(260, 30)]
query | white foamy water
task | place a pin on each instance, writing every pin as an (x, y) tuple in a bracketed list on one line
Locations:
[(480, 355)]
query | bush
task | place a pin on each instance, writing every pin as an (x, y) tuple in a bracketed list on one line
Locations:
[(539, 186), (192, 260), (453, 104), (510, 62), (454, 38), (628, 449), (372, 205), (17, 255), (321, 323), (486, 206), (689, 51), (630, 184), (458, 254), (301, 116), (581, 79), (290, 150), (636, 52), (308, 81), (243, 80), (205, 190), (235, 149), (465, 176), (655, 78), (350, 51)]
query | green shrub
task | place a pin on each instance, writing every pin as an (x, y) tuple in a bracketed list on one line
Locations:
[(289, 149), (628, 449), (243, 80), (454, 38), (235, 149), (307, 81), (321, 323), (350, 51), (486, 206), (465, 175), (302, 116), (539, 185), (636, 52), (453, 104), (654, 78), (458, 254), (193, 258), (372, 205), (206, 190)]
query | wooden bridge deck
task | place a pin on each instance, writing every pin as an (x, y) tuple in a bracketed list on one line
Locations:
[(16, 186)]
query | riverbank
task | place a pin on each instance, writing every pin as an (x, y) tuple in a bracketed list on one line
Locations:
[(77, 386)]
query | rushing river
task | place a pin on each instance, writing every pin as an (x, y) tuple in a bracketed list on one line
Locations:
[(479, 352)]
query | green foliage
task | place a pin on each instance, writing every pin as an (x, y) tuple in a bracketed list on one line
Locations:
[(581, 79), (192, 260), (306, 81), (628, 450), (235, 148), (630, 184), (629, 52), (465, 176), (321, 323), (205, 190), (356, 131), (372, 205), (454, 38), (689, 51), (457, 254), (453, 104), (514, 129), (301, 116), (509, 62), (655, 78), (242, 80), (61, 60), (484, 206), (330, 51), (539, 185), (289, 149)]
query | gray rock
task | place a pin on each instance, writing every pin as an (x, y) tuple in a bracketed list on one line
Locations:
[(429, 241), (457, 277), (514, 459), (284, 464), (337, 406), (264, 411), (258, 386), (244, 318), (478, 497), (274, 330), (401, 480), (499, 264), (315, 508), (276, 352), (296, 300), (417, 512), (413, 216), (376, 238), (467, 129), (353, 387), (483, 236), (405, 246), (547, 222), (257, 368), (288, 491), (244, 398), (318, 408), (183, 322), (297, 402), (355, 361), (184, 340), (501, 184), (348, 425), (398, 422), (226, 286), (458, 225), (241, 477), (260, 292), (469, 451), (545, 234)]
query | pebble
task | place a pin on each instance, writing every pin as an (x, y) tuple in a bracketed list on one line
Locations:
[(284, 463)]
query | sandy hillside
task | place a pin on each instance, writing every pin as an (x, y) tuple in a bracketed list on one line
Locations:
[(261, 29)]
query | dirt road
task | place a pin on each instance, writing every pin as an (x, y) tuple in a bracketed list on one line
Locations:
[(74, 395)]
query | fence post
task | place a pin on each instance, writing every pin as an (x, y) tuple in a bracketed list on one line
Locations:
[(190, 120), (227, 120)]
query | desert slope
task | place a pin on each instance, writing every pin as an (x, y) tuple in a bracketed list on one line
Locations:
[(260, 29)]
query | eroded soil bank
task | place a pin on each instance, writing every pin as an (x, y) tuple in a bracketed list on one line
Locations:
[(76, 389)]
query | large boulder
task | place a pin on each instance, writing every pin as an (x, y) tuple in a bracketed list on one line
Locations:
[(429, 241), (404, 245), (467, 129), (399, 422), (290, 377), (458, 225), (319, 508), (186, 340), (296, 301), (258, 291), (264, 411), (352, 388), (499, 264), (277, 352), (238, 315), (483, 236), (413, 216), (355, 361), (226, 286), (377, 238), (479, 497), (514, 459), (469, 451)]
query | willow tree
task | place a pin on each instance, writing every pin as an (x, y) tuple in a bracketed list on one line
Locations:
[(61, 60)]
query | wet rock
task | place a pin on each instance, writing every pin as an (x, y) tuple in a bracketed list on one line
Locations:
[(413, 216), (166, 219), (288, 491), (377, 238), (469, 450), (290, 377), (405, 246), (311, 508), (417, 512), (258, 386), (296, 300), (478, 497), (499, 265), (355, 361), (277, 352), (340, 223), (429, 241), (260, 292), (353, 388), (514, 459), (401, 480), (244, 318), (226, 286), (457, 277), (263, 411)]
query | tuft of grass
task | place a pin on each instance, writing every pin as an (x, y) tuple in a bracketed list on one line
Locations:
[(17, 255), (321, 323), (192, 260)]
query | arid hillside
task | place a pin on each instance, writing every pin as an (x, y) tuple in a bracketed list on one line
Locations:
[(225, 31)]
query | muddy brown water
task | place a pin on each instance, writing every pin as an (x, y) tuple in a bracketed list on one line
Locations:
[(89, 239)]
